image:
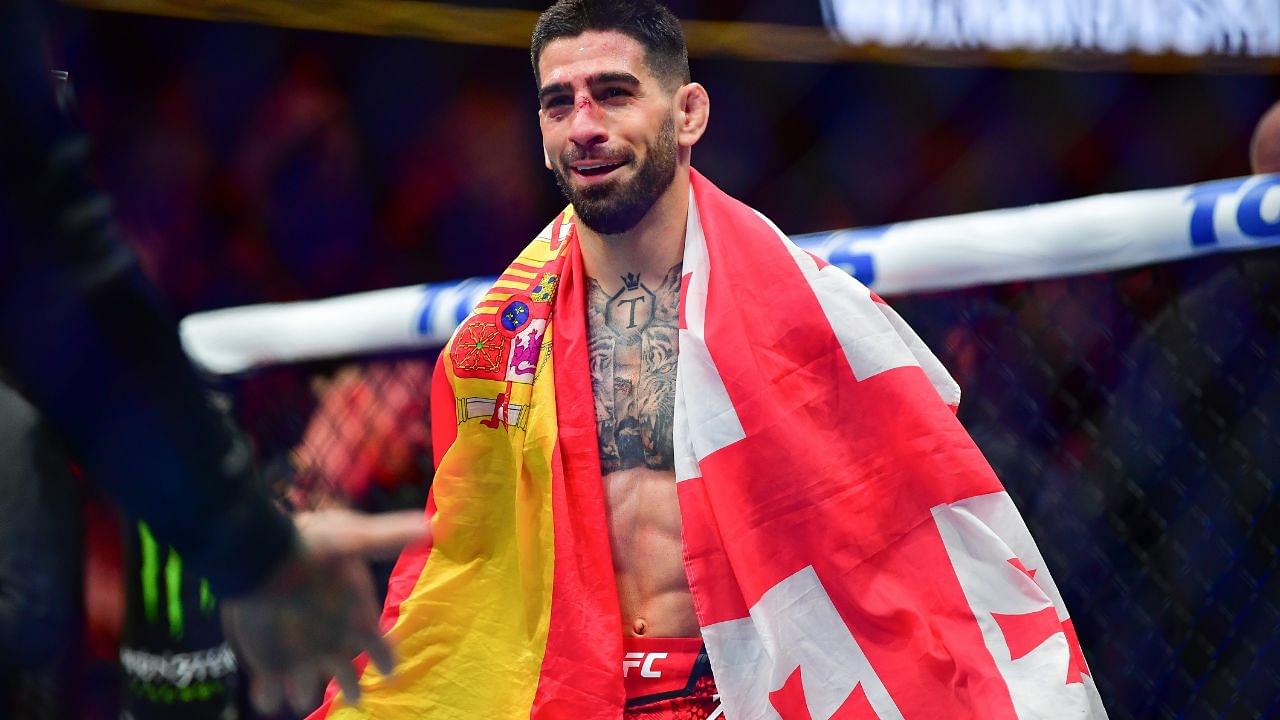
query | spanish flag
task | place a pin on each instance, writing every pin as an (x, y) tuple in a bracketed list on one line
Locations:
[(850, 552)]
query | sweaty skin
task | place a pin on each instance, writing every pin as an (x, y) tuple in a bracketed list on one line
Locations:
[(633, 327)]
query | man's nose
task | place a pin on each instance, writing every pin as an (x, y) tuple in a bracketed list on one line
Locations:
[(587, 124)]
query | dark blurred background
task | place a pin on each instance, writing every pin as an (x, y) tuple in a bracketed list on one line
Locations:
[(253, 163), (1134, 416)]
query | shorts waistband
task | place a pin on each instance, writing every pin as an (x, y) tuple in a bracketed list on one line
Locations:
[(660, 668)]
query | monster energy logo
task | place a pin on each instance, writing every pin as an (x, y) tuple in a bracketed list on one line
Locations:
[(181, 669), (172, 584)]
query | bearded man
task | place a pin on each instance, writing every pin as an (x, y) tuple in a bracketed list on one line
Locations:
[(681, 462)]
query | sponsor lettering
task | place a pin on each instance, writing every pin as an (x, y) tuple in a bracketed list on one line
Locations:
[(1250, 216), (178, 669), (643, 661), (849, 253)]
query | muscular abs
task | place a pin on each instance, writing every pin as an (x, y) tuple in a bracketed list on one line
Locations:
[(634, 336)]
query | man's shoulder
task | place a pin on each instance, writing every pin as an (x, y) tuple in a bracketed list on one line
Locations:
[(517, 304)]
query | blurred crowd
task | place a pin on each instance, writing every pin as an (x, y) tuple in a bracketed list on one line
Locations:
[(255, 164)]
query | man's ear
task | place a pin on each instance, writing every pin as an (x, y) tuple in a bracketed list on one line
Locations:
[(546, 159), (692, 111)]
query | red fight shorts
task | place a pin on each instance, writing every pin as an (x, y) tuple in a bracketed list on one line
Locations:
[(668, 679)]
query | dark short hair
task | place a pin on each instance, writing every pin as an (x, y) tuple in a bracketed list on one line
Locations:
[(649, 23)]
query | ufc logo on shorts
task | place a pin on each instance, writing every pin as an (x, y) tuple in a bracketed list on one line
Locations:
[(644, 661)]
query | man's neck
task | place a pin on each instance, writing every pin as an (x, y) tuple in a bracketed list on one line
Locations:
[(650, 249)]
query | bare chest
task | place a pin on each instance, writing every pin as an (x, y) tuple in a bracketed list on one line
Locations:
[(634, 336)]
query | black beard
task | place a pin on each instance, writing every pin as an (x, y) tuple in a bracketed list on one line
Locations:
[(612, 208)]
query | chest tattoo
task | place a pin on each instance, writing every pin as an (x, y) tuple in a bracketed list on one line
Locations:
[(634, 336)]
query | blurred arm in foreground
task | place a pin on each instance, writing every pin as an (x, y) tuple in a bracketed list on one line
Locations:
[(84, 334), (319, 610)]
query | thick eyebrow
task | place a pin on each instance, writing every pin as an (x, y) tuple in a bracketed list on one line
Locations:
[(625, 78), (549, 90), (603, 78)]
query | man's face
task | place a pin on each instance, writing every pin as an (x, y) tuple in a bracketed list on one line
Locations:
[(607, 128)]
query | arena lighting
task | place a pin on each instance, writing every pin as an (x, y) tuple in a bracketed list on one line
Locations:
[(764, 42), (1150, 27)]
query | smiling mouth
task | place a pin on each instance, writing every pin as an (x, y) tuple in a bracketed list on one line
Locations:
[(595, 170)]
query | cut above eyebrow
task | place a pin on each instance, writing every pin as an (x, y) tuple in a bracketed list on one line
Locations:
[(603, 78)]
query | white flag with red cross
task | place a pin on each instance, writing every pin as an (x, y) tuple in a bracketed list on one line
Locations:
[(851, 553)]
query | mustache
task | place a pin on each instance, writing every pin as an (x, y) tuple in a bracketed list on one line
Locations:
[(576, 154)]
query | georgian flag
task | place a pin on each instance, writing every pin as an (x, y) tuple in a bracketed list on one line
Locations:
[(851, 553)]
